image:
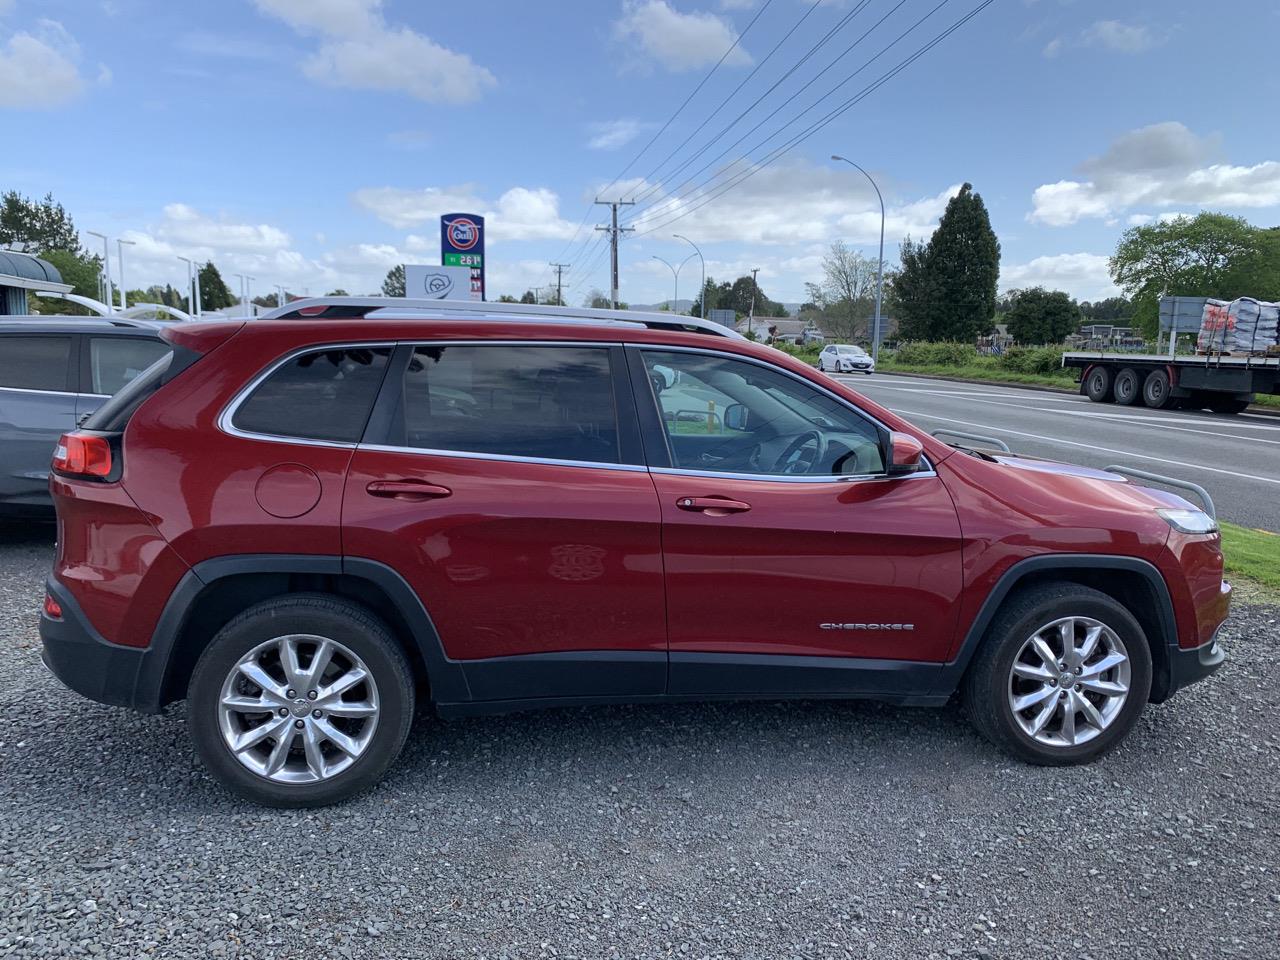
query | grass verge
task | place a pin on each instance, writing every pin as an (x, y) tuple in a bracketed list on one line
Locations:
[(1252, 553)]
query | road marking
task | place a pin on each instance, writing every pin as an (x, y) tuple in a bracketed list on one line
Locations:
[(1090, 446)]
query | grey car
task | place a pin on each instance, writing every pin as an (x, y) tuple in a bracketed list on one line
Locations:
[(54, 372)]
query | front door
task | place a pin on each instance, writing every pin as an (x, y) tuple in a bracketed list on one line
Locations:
[(510, 493), (793, 563)]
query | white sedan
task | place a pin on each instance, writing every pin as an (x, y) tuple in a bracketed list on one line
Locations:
[(845, 358)]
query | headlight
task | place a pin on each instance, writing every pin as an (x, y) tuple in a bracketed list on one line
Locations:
[(1189, 520)]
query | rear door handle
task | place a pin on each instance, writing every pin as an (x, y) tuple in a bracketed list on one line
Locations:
[(713, 506), (407, 490)]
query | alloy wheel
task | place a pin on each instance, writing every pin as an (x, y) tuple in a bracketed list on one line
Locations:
[(1069, 681), (298, 709)]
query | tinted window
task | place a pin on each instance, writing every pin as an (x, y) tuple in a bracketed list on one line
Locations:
[(732, 416), (117, 361), (548, 402), (34, 363), (325, 395)]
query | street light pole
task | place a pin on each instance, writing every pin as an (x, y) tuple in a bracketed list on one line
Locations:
[(675, 273), (875, 336), (107, 297), (248, 296), (120, 245), (191, 297), (702, 291), (240, 277)]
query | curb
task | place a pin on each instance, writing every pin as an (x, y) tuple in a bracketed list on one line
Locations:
[(1043, 388)]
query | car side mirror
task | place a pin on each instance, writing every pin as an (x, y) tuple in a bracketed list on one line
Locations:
[(905, 454), (735, 417)]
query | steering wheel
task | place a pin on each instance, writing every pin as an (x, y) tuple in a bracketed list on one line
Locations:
[(786, 465)]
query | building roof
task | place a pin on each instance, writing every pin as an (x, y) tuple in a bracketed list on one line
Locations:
[(27, 267)]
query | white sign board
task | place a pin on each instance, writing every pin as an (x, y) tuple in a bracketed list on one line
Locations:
[(440, 283)]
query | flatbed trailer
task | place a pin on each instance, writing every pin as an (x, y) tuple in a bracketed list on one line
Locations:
[(1221, 383)]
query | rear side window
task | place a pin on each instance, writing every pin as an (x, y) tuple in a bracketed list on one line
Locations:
[(117, 361), (326, 395), (546, 402), (34, 363)]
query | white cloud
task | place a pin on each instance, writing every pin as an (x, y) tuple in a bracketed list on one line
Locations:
[(679, 41), (1162, 165), (522, 213), (1053, 47), (613, 134), (1121, 37), (39, 69), (790, 203), (361, 51), (1083, 275)]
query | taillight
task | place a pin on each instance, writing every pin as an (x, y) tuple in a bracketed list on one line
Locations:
[(82, 454)]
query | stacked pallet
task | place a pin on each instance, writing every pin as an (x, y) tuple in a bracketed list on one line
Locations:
[(1241, 327)]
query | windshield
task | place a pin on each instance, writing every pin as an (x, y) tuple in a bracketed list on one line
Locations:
[(853, 350)]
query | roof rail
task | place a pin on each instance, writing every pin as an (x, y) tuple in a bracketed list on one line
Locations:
[(114, 321), (485, 310)]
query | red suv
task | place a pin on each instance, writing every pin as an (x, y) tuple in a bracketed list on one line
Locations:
[(308, 523)]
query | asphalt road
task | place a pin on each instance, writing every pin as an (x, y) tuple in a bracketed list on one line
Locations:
[(1236, 458), (732, 830)]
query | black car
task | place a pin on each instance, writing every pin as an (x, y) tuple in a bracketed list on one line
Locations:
[(53, 372)]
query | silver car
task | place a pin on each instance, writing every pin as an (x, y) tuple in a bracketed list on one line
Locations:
[(845, 358), (53, 373)]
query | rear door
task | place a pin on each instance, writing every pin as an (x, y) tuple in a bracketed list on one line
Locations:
[(37, 406), (793, 563), (506, 484)]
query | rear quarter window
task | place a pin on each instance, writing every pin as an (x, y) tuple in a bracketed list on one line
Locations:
[(322, 395), (34, 363)]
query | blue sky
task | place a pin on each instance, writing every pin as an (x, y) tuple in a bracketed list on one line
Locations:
[(314, 143)]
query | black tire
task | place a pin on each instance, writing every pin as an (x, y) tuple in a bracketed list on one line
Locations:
[(1155, 390), (985, 688), (1097, 385), (1128, 387), (317, 614), (1228, 405)]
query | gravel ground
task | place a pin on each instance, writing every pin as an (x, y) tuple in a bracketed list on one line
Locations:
[(741, 830)]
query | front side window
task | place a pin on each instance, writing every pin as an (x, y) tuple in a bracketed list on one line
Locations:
[(116, 361), (34, 363), (324, 395), (724, 415), (551, 402)]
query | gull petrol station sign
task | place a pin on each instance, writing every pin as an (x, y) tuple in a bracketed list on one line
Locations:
[(462, 245)]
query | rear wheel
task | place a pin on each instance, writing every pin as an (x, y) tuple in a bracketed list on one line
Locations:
[(301, 701), (1097, 385), (1128, 387), (1061, 677), (1155, 390)]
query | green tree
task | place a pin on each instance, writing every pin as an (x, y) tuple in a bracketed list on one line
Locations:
[(214, 293), (1037, 316), (41, 224), (339, 292), (846, 296), (507, 298), (79, 271), (946, 289), (528, 297), (393, 284), (1208, 255)]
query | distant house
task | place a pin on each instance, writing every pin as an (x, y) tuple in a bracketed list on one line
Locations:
[(776, 329)]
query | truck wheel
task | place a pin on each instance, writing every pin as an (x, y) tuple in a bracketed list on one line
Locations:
[(301, 701), (1061, 677), (1097, 385), (1155, 390), (1228, 405), (1128, 388)]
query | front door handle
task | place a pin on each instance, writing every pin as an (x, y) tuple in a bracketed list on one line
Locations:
[(713, 506), (407, 490)]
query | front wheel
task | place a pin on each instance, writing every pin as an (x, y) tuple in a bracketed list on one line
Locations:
[(1061, 677), (301, 701)]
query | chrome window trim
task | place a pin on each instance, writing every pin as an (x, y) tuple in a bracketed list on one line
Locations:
[(785, 477), (506, 458), (51, 393), (225, 418)]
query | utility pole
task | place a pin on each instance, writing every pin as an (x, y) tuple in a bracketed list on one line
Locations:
[(560, 268), (614, 230), (752, 315)]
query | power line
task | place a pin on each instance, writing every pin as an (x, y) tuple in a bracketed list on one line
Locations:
[(778, 152), (654, 186), (672, 199)]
